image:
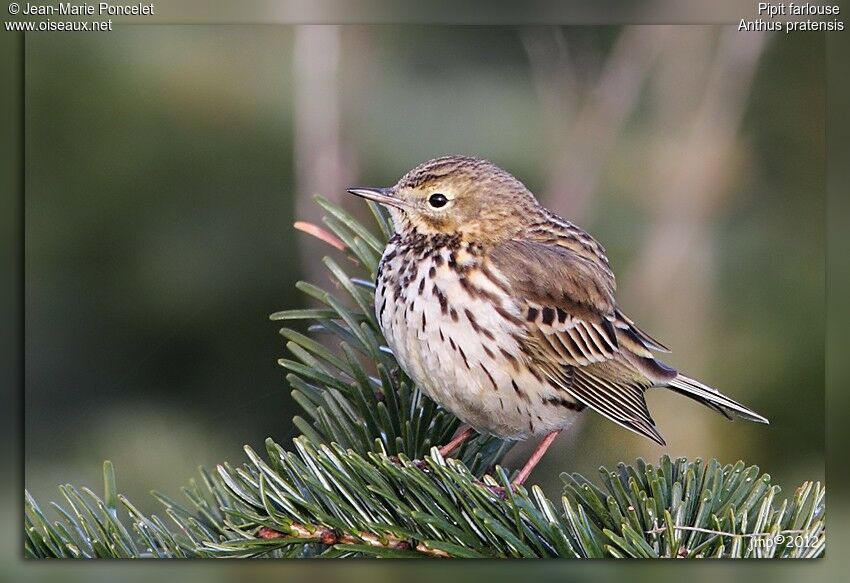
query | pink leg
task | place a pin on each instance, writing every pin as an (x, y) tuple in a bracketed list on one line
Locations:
[(535, 458), (456, 442)]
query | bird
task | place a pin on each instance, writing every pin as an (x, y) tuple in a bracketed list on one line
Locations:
[(504, 313)]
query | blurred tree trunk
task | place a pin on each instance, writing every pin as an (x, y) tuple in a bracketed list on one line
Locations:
[(583, 131), (322, 163), (691, 174)]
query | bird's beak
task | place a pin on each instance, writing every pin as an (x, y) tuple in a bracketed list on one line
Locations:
[(384, 196)]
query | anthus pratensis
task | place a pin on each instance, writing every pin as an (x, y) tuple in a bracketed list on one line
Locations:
[(504, 313)]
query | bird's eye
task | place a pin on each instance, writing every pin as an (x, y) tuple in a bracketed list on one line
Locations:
[(437, 200)]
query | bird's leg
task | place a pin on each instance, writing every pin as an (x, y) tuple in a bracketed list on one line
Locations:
[(535, 458), (457, 441)]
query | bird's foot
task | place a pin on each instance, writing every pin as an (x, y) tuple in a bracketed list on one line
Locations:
[(455, 443), (535, 458)]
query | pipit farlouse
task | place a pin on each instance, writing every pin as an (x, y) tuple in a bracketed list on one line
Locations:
[(504, 313)]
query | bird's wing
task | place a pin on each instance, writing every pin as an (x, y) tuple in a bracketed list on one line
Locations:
[(555, 236), (576, 335)]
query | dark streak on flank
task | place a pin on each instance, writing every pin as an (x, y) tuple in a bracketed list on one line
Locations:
[(489, 376), (477, 292), (485, 270), (511, 358), (467, 286), (463, 356), (452, 261), (474, 323), (444, 302), (520, 393), (507, 315), (561, 402)]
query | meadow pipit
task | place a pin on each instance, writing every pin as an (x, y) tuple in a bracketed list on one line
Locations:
[(504, 313)]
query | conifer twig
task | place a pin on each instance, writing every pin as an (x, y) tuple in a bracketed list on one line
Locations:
[(661, 529), (330, 537)]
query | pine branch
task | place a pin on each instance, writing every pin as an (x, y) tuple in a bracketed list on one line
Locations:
[(324, 501), (365, 477), (326, 536)]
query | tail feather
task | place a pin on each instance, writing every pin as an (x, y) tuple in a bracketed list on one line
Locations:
[(712, 398)]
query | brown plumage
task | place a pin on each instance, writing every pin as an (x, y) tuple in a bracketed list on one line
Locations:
[(504, 313)]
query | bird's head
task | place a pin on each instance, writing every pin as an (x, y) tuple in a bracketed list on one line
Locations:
[(457, 195)]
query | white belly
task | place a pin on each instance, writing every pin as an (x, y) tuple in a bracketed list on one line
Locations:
[(466, 355)]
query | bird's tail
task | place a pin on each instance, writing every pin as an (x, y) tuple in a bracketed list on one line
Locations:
[(712, 398)]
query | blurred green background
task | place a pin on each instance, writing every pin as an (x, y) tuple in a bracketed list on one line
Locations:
[(166, 164)]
